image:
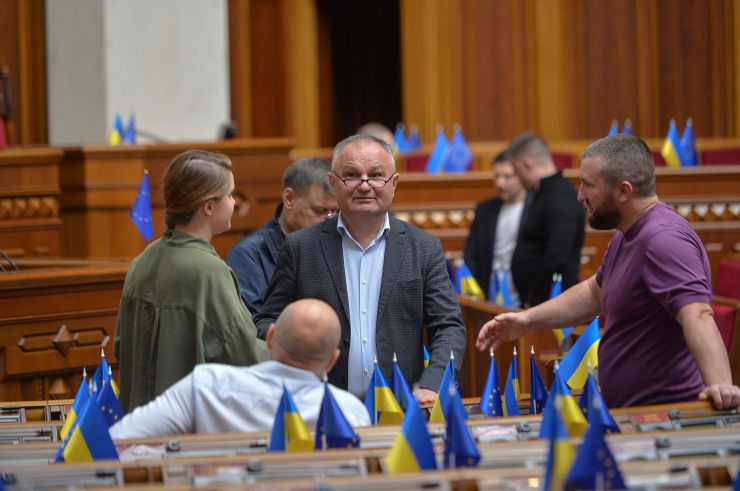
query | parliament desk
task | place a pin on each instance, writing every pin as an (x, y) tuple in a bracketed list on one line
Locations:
[(55, 317)]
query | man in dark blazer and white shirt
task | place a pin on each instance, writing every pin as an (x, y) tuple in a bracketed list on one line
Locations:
[(386, 279), (495, 230)]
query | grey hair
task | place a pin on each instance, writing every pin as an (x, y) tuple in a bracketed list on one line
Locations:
[(532, 145), (625, 158), (361, 139), (302, 174)]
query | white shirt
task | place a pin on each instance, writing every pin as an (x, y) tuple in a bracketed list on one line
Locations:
[(507, 230), (216, 398), (363, 271)]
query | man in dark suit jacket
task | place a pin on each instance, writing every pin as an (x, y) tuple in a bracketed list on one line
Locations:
[(492, 241), (552, 234), (386, 279)]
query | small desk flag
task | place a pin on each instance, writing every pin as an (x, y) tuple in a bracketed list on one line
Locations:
[(573, 367), (141, 211), (89, 439), (459, 157), (627, 130), (441, 149), (614, 128), (587, 403), (380, 402), (400, 388), (671, 150), (400, 137), (568, 410), (538, 392), (108, 403), (688, 145), (412, 451), (490, 399), (83, 394), (512, 391), (332, 428), (561, 453), (443, 401), (556, 288), (289, 432), (115, 137), (460, 449)]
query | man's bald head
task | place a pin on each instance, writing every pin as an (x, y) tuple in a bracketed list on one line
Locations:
[(306, 335)]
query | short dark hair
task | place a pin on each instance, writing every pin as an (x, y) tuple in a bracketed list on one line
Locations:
[(503, 156), (531, 145), (626, 158), (302, 174), (363, 139)]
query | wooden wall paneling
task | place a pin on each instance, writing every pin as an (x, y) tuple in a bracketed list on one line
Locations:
[(431, 43), (734, 19), (303, 70), (648, 91), (240, 64), (269, 96)]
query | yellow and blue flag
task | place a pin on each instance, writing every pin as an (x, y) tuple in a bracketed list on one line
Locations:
[(490, 399), (380, 402), (112, 382), (460, 449), (574, 367), (332, 428), (561, 453), (538, 392), (439, 154), (115, 137), (671, 150), (444, 401), (141, 211), (289, 432), (512, 392), (412, 451), (107, 400), (400, 388), (459, 157), (601, 415), (556, 288), (595, 466), (688, 145), (426, 355), (83, 394), (498, 289), (89, 439), (568, 411), (465, 283), (614, 128)]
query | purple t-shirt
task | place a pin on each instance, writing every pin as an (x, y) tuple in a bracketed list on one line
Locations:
[(648, 273)]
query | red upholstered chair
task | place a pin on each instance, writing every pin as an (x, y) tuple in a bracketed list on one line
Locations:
[(726, 308), (720, 156), (727, 283)]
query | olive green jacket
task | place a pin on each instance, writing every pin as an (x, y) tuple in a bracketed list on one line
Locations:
[(180, 307)]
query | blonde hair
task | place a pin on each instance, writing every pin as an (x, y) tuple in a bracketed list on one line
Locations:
[(191, 179)]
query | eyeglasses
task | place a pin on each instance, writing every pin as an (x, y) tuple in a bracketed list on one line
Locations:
[(356, 182)]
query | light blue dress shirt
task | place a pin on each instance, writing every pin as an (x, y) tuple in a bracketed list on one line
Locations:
[(363, 271)]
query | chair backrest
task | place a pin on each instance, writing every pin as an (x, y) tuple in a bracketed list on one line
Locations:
[(727, 283)]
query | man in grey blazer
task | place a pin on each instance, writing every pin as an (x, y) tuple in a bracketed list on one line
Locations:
[(386, 279)]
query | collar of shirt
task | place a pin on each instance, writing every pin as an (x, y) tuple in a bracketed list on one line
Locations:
[(344, 231)]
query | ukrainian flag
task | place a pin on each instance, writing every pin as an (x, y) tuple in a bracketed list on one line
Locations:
[(512, 391), (115, 137), (83, 394), (399, 386), (90, 439), (671, 150), (110, 408), (490, 399), (332, 428), (498, 289), (556, 288), (380, 402), (426, 356), (443, 401), (466, 284), (412, 450), (573, 368), (289, 432), (568, 410), (561, 454)]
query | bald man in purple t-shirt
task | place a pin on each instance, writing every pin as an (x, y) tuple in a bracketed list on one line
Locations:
[(660, 343)]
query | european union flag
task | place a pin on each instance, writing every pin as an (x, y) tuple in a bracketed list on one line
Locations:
[(595, 467), (736, 484), (116, 133), (399, 386), (587, 402), (83, 394), (441, 149), (129, 138), (459, 157), (498, 288), (573, 368), (141, 211), (568, 410), (671, 150), (688, 145), (412, 450), (443, 401), (332, 428), (511, 391), (490, 399), (90, 439), (560, 455), (414, 141), (380, 402), (614, 128), (538, 392), (102, 373), (289, 432), (556, 288), (108, 403), (627, 130), (460, 449), (400, 136), (465, 283)]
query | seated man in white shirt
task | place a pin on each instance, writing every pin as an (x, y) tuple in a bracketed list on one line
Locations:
[(218, 398)]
